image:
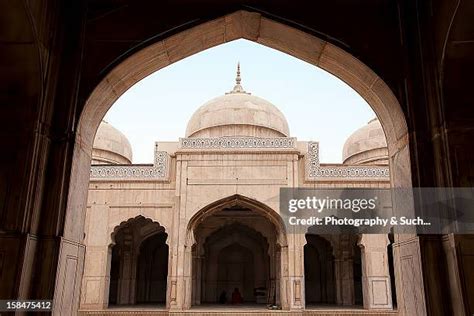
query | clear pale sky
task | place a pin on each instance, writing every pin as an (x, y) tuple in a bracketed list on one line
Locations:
[(317, 105)]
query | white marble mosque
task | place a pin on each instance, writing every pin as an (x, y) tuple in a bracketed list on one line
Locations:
[(204, 217)]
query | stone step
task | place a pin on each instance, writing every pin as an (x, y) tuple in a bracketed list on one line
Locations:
[(219, 311)]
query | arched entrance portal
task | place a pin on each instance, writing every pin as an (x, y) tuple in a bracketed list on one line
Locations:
[(139, 263), (333, 270), (320, 284), (236, 249), (235, 257), (152, 270)]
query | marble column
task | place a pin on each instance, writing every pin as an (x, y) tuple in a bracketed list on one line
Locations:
[(344, 275), (197, 277), (96, 278), (187, 278), (375, 271), (296, 271), (271, 284), (179, 279), (454, 274), (126, 286), (284, 279)]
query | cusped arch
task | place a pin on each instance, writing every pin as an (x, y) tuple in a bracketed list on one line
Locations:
[(224, 234), (246, 240), (351, 238), (136, 219), (237, 200)]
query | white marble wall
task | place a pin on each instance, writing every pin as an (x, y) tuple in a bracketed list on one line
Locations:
[(197, 179)]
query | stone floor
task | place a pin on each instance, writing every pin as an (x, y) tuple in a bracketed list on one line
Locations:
[(240, 310)]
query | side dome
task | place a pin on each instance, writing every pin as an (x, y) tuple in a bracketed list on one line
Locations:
[(110, 146), (366, 146), (238, 113)]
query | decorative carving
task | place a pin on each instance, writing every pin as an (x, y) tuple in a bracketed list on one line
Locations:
[(237, 142), (314, 171), (312, 159), (159, 170)]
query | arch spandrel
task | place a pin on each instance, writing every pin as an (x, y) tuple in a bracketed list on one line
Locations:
[(269, 198), (266, 229), (254, 205)]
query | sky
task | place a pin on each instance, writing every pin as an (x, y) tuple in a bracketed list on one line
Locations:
[(317, 105)]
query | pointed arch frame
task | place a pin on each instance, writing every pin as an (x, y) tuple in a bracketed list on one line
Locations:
[(238, 25)]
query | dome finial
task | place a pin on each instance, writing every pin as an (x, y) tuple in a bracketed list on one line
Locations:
[(238, 79), (238, 88)]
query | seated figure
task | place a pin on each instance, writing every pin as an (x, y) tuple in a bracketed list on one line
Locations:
[(236, 297)]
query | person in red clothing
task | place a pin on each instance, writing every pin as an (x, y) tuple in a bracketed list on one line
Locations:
[(236, 297)]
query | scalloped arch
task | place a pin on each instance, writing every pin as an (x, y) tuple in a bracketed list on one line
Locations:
[(123, 224)]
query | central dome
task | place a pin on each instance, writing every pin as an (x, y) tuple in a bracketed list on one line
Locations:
[(237, 113)]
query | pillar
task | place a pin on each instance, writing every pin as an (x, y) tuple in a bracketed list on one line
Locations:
[(180, 286), (454, 274), (344, 275), (284, 279), (271, 285), (127, 279), (96, 279), (179, 276), (376, 286), (296, 298)]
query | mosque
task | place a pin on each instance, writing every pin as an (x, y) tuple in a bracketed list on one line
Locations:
[(203, 220)]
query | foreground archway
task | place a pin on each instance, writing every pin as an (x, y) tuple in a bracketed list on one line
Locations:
[(251, 26)]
